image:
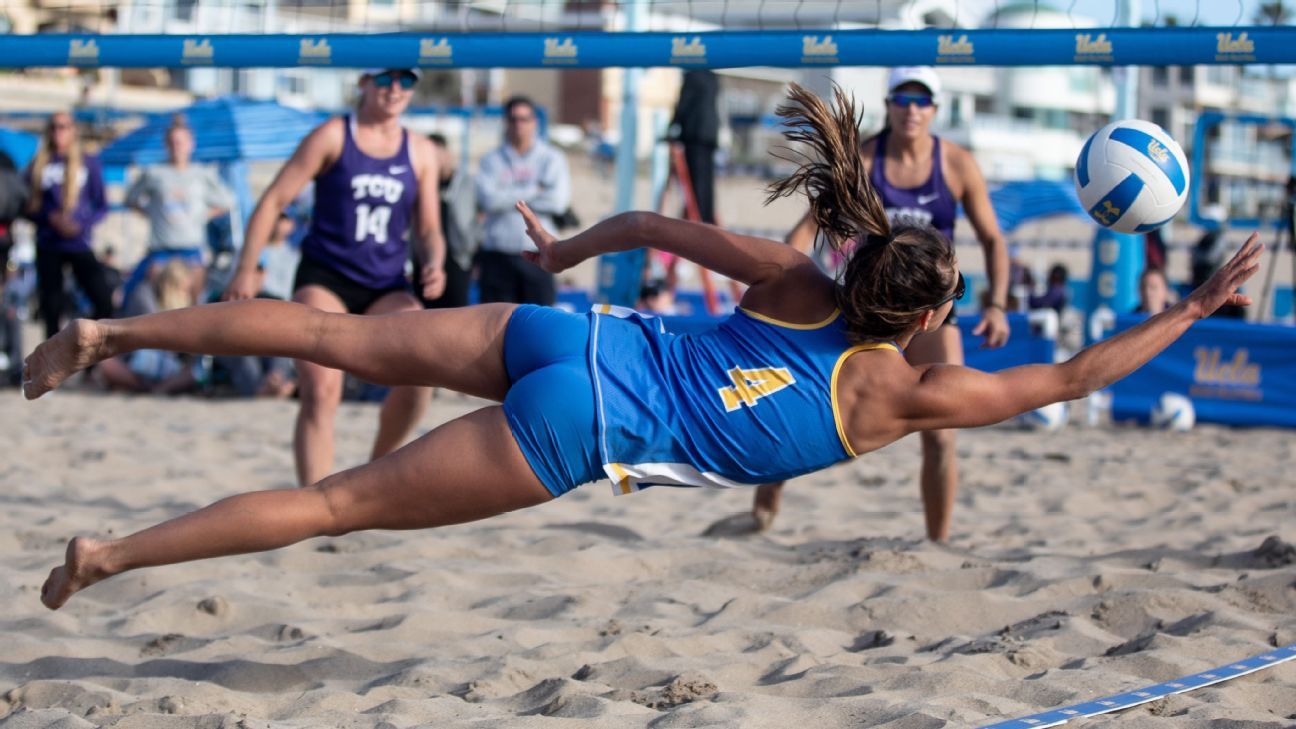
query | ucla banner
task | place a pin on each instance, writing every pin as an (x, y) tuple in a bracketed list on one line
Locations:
[(717, 49), (1234, 372)]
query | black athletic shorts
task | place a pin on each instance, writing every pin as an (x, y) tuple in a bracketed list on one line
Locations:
[(356, 297)]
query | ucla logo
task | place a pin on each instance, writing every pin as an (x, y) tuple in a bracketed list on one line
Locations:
[(688, 50), (435, 52), (1212, 369), (82, 52), (951, 48), (814, 50), (316, 52), (1157, 152), (1090, 48), (1107, 214), (197, 51), (1226, 44), (559, 51)]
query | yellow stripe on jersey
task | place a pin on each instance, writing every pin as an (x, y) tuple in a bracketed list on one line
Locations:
[(841, 428), (789, 325), (623, 478)]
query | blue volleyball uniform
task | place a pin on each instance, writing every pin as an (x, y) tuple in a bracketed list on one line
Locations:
[(612, 394), (752, 401)]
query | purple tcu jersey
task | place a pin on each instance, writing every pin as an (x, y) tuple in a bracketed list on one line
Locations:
[(929, 204), (363, 210)]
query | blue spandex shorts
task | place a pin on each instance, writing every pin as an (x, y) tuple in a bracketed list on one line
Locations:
[(550, 402)]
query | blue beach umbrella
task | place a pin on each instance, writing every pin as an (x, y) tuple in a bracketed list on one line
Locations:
[(19, 145)]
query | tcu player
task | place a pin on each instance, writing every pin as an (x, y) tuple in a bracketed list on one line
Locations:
[(375, 197)]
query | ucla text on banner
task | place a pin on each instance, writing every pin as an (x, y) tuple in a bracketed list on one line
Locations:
[(715, 49), (1235, 373)]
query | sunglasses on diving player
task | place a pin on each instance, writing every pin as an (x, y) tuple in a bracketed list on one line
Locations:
[(387, 78), (960, 288), (903, 100)]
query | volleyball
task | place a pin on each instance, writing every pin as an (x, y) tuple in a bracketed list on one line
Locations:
[(1049, 418), (1173, 411), (1132, 176)]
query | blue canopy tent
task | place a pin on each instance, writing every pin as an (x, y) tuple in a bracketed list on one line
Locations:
[(19, 145), (1018, 202), (228, 131)]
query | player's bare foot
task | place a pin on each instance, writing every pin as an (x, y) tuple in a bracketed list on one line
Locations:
[(80, 344), (82, 567)]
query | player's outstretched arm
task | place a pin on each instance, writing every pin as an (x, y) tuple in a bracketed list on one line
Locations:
[(744, 258), (960, 397)]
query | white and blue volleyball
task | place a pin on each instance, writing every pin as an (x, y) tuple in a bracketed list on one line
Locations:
[(1132, 176), (1049, 418), (1173, 411)]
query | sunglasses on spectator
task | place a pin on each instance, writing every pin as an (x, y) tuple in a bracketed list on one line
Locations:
[(960, 288), (521, 118), (903, 100), (387, 78)]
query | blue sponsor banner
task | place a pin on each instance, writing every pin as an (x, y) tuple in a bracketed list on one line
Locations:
[(718, 49), (1024, 345), (1234, 372)]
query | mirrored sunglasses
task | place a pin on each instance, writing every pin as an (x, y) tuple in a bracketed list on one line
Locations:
[(903, 100), (960, 288), (387, 78)]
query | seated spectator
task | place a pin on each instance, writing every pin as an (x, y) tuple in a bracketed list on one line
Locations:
[(279, 259), (657, 298), (1154, 292), (151, 370), (1056, 295)]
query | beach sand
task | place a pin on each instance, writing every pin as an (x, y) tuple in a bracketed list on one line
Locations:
[(1083, 563)]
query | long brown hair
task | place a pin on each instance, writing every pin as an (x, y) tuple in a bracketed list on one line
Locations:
[(72, 166), (893, 275)]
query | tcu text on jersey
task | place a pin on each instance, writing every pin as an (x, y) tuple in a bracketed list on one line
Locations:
[(381, 186)]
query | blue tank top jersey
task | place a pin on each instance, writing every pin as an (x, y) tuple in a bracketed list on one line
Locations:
[(363, 210), (931, 203), (748, 402)]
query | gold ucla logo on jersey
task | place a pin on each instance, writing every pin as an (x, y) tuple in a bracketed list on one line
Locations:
[(956, 49), (1228, 48), (560, 51), (83, 52), (1092, 48), (688, 50), (816, 50), (316, 52), (196, 51), (435, 52)]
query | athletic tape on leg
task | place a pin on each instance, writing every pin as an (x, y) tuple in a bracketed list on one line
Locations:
[(1118, 702)]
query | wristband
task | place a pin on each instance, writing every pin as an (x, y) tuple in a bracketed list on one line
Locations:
[(1000, 307)]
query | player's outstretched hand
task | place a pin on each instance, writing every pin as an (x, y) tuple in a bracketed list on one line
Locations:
[(548, 247), (1222, 288)]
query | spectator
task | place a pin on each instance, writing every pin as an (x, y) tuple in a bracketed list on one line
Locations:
[(178, 198), (67, 201), (528, 169), (459, 225), (1056, 295), (154, 370), (13, 198), (1154, 292), (696, 125), (1020, 280), (279, 261), (656, 297)]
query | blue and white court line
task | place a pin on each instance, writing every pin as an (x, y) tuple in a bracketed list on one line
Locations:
[(1117, 702)]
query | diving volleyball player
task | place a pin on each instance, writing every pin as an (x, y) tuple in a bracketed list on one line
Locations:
[(808, 372)]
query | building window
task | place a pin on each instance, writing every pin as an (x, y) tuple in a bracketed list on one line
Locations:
[(1161, 117), (1160, 76), (184, 10), (1186, 75)]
